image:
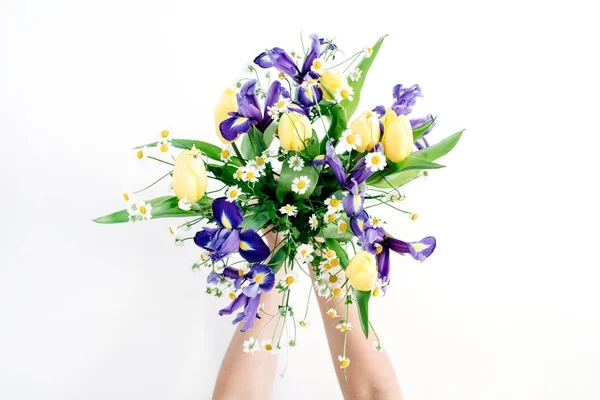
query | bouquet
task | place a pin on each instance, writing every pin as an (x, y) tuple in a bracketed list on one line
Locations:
[(297, 160)]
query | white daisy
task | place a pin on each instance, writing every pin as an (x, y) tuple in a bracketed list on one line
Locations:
[(267, 345), (261, 307), (260, 163), (355, 75), (350, 140), (395, 196), (317, 66), (239, 174), (330, 278), (268, 154), (144, 210), (233, 193), (251, 345), (324, 290), (344, 361), (377, 346), (250, 175), (332, 313), (376, 161), (164, 146), (184, 204), (280, 107), (313, 222), (289, 279), (344, 93), (226, 153), (204, 256), (331, 216), (141, 153), (300, 184), (289, 209), (336, 291), (132, 210), (368, 52), (334, 204), (376, 222), (330, 254), (304, 253), (342, 226), (344, 326), (296, 163), (165, 134)]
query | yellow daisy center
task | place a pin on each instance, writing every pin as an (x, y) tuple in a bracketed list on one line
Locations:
[(344, 363), (164, 148), (140, 154), (250, 175), (331, 314), (143, 210), (414, 217), (334, 203), (288, 208), (301, 185), (302, 324), (370, 51), (317, 64), (343, 226), (344, 93), (376, 292), (331, 218), (330, 253), (335, 262), (126, 196), (232, 296), (327, 266), (375, 160), (280, 104), (172, 233), (280, 75), (233, 193), (337, 292), (268, 347), (164, 134), (225, 153), (289, 280), (239, 174), (333, 279), (240, 272), (351, 139), (260, 161)]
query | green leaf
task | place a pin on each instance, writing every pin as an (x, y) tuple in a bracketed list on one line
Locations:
[(211, 151), (331, 232), (421, 129), (439, 149), (270, 133), (339, 123), (362, 303), (162, 207), (364, 66), (253, 144), (313, 148), (409, 163), (256, 221), (278, 259), (284, 186), (334, 245)]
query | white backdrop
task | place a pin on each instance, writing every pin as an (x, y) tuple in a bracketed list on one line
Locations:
[(507, 307)]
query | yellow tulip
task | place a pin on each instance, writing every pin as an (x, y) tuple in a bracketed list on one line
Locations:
[(227, 103), (397, 136), (189, 176), (362, 271), (332, 81), (294, 131), (367, 127)]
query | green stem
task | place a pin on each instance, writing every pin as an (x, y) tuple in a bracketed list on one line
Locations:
[(154, 183), (237, 153), (162, 161)]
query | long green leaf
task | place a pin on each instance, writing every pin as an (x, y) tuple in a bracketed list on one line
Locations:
[(162, 207), (286, 178), (256, 221), (211, 151), (364, 66), (439, 149), (334, 245), (253, 144), (418, 131), (362, 303), (278, 259), (339, 123), (331, 232), (270, 133)]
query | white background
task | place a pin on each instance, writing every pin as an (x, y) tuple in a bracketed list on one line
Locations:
[(507, 307)]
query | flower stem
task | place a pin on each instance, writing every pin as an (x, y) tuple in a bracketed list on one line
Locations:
[(237, 153), (154, 183), (162, 161)]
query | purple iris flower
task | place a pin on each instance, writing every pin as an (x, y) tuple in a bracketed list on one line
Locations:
[(361, 172), (261, 279), (229, 238), (250, 111), (354, 201), (331, 159)]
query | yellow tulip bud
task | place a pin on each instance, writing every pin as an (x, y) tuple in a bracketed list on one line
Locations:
[(330, 82), (294, 131), (189, 176), (362, 271), (397, 136), (367, 127), (227, 103)]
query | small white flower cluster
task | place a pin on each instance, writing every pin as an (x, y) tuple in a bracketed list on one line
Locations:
[(164, 144), (223, 287), (327, 282), (252, 345), (334, 206), (349, 141), (278, 108), (355, 75), (137, 210), (253, 169), (395, 196), (289, 209)]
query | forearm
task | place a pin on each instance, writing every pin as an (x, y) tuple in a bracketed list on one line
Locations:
[(370, 373)]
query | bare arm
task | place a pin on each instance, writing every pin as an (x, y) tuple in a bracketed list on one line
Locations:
[(370, 373)]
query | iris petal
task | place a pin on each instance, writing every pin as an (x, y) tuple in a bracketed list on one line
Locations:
[(252, 247), (228, 215)]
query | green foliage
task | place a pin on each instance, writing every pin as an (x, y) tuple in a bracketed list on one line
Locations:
[(284, 186), (211, 151), (334, 245), (162, 207), (279, 258), (362, 303), (253, 144)]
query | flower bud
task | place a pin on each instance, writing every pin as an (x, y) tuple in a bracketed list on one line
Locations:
[(227, 103), (294, 131), (330, 82), (367, 127), (189, 176), (362, 271), (397, 136)]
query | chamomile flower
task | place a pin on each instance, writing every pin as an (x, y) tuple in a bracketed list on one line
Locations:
[(344, 93), (330, 253), (164, 146), (300, 184), (344, 326), (342, 226), (144, 210), (226, 153), (355, 75), (233, 193), (304, 253), (251, 345), (289, 279), (231, 293), (376, 222), (296, 163), (368, 52), (349, 140), (395, 196), (313, 222), (377, 346), (317, 66), (332, 313), (267, 345), (165, 134), (331, 216), (330, 278), (175, 230), (334, 204), (259, 163), (141, 153), (261, 307), (334, 262), (344, 361), (127, 195), (323, 290), (336, 291), (303, 324), (250, 175), (239, 174), (270, 154), (204, 256), (280, 107), (132, 210), (325, 265), (289, 209), (184, 204), (376, 161), (379, 288)]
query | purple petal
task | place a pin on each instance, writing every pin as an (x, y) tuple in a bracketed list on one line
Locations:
[(313, 54), (267, 278), (228, 215), (353, 202), (405, 98), (248, 94), (226, 242), (213, 278), (252, 247), (251, 290), (237, 125), (251, 312), (204, 237), (357, 223), (422, 249), (272, 98), (397, 245), (283, 62), (383, 263), (238, 302), (326, 45), (309, 96), (263, 60)]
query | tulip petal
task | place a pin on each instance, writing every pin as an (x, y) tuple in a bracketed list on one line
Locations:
[(228, 215), (252, 247)]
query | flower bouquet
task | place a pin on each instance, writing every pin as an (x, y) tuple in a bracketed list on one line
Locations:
[(296, 160)]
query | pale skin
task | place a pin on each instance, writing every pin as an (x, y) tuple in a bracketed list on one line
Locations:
[(369, 376)]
